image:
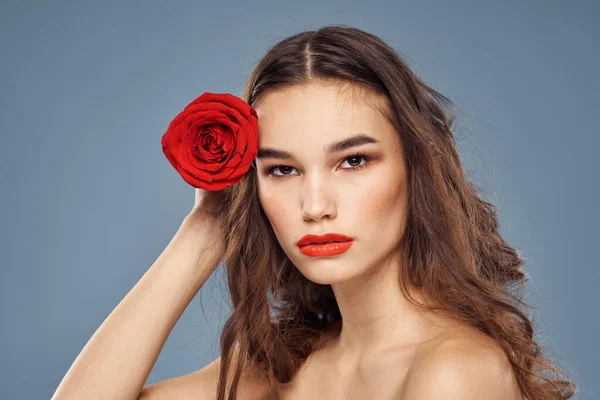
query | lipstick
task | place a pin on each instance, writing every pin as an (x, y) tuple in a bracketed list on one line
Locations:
[(329, 244)]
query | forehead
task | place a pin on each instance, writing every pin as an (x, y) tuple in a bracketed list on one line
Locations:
[(320, 112)]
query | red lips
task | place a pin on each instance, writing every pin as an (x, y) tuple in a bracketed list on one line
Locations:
[(325, 238), (329, 244)]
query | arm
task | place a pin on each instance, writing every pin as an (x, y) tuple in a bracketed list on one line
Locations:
[(202, 384), (118, 358)]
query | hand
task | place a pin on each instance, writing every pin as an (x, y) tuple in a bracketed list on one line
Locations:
[(208, 203), (208, 216)]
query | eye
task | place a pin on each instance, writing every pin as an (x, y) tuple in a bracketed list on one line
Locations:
[(353, 160), (284, 169)]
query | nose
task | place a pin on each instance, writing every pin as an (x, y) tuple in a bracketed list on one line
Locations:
[(317, 199)]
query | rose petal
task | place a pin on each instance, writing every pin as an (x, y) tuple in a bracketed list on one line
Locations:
[(213, 141)]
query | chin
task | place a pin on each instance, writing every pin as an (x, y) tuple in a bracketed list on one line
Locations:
[(327, 270)]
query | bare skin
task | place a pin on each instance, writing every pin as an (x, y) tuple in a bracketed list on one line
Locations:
[(116, 361), (384, 349), (398, 373), (385, 345), (401, 372)]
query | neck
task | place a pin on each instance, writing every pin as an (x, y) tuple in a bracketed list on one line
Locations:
[(376, 316)]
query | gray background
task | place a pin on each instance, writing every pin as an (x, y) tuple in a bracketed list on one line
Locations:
[(89, 200)]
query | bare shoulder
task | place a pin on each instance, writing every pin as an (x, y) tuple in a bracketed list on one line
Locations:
[(463, 365), (202, 384)]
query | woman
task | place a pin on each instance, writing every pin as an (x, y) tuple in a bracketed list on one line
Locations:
[(412, 300)]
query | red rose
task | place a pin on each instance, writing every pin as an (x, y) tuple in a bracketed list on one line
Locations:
[(213, 141)]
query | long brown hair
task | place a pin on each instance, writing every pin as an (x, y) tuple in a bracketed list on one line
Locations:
[(451, 247)]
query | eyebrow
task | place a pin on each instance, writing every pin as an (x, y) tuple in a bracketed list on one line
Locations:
[(353, 141)]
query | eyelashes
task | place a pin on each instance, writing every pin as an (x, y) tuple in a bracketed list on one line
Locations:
[(270, 171)]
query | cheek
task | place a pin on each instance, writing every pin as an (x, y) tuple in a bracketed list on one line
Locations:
[(275, 205), (383, 201)]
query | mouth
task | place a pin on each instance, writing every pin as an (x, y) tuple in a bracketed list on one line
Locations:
[(331, 237), (325, 249), (329, 244)]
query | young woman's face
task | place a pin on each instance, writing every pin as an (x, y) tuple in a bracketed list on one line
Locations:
[(305, 188)]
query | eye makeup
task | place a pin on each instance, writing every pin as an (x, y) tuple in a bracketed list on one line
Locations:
[(270, 171)]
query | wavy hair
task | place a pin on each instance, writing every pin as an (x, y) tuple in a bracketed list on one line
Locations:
[(451, 247)]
